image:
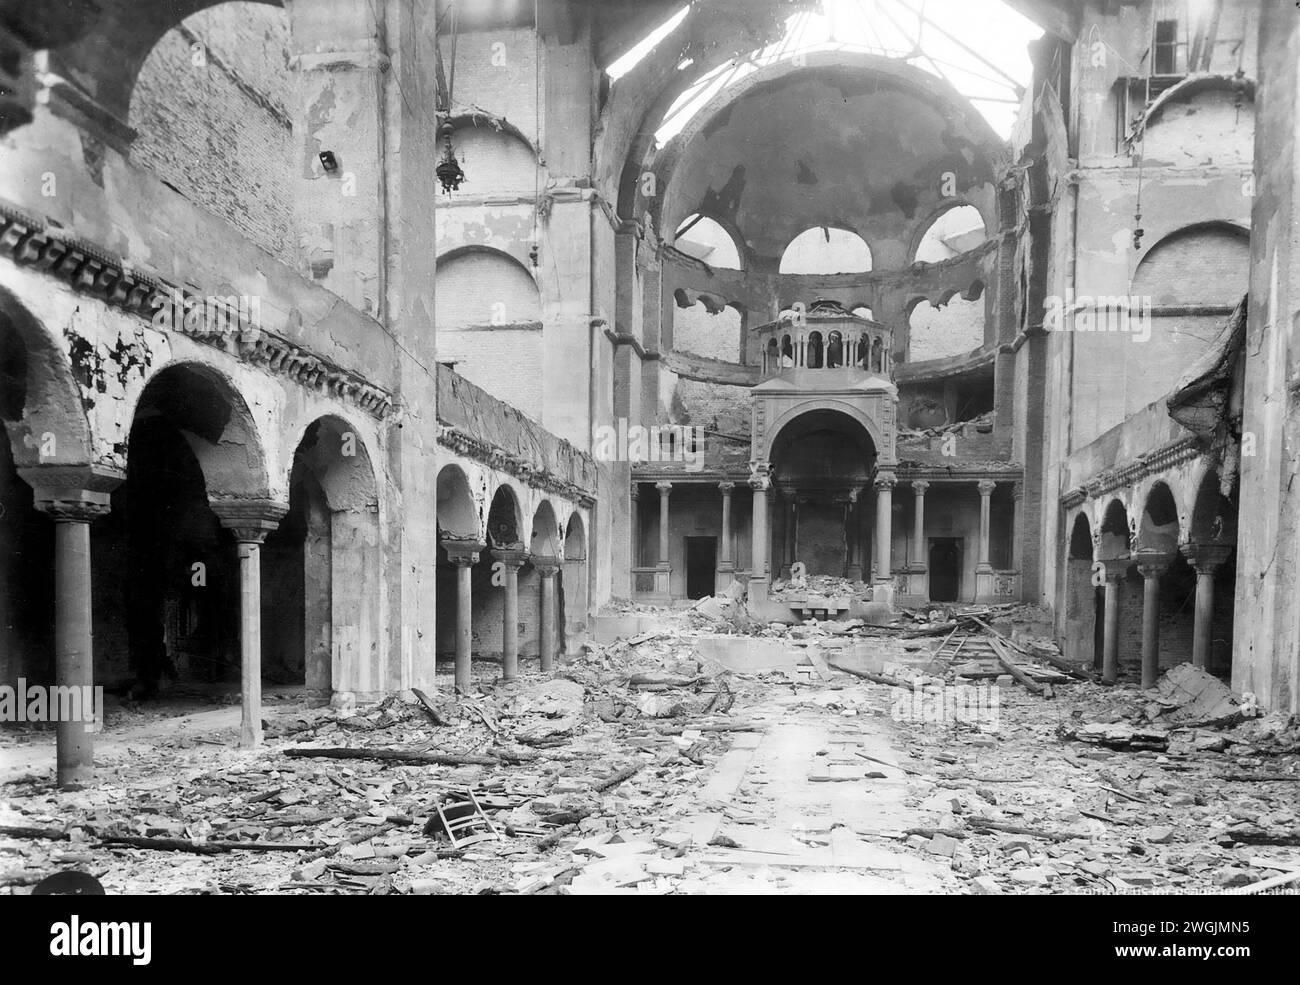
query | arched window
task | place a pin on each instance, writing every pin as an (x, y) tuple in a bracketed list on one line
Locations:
[(706, 240), (954, 327), (703, 329), (787, 352), (814, 360), (1174, 269), (834, 350), (826, 250), (495, 161), (951, 234)]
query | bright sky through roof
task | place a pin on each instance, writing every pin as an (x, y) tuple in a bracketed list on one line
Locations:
[(977, 45)]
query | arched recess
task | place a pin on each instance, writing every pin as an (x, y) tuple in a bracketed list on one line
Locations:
[(1084, 601), (545, 545), (458, 517), (955, 230), (1173, 270), (505, 519), (219, 79), (1213, 552), (1204, 120), (193, 447), (496, 159), (952, 328), (820, 459), (324, 565), (459, 520), (707, 240), (1113, 543), (489, 313), (826, 250), (573, 584), (1158, 530), (544, 538)]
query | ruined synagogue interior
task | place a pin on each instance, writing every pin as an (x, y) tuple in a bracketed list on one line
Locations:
[(562, 447)]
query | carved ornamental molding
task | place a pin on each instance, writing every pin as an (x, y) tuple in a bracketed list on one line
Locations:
[(92, 271)]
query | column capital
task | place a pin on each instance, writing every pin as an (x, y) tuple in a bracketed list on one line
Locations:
[(919, 486), (546, 565), (250, 520), (884, 481), (760, 482), (986, 487), (1206, 558), (512, 558), (463, 552), (726, 487), (1152, 564), (664, 487), (77, 493)]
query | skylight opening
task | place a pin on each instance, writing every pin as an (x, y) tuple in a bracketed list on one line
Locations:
[(627, 62)]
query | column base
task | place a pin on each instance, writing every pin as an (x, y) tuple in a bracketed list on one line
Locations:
[(723, 577), (758, 589), (984, 586), (663, 582)]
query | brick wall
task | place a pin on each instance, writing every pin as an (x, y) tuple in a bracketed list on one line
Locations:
[(495, 162), (220, 132), (949, 330), (702, 334), (1202, 266)]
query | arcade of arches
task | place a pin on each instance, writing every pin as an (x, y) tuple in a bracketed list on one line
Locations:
[(267, 424)]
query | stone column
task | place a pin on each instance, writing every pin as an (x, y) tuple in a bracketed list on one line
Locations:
[(1205, 558), (250, 520), (464, 555), (636, 524), (760, 482), (546, 567), (1110, 637), (1017, 534), (663, 584), (1151, 567), (985, 487), (726, 564), (851, 525), (884, 485), (73, 496), (511, 561), (984, 568), (919, 487)]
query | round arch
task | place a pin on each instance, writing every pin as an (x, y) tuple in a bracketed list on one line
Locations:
[(40, 403), (1159, 525), (215, 421), (505, 518), (458, 517), (856, 414), (544, 539), (1114, 538), (930, 224)]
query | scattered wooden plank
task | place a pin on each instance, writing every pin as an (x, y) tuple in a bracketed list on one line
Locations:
[(874, 678), (909, 772), (981, 823), (416, 756), (429, 710), (1024, 679), (33, 834), (612, 781)]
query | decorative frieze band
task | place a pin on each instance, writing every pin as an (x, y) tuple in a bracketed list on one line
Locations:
[(1165, 457), (490, 455), (89, 270)]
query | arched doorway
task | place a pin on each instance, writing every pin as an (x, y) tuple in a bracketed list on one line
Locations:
[(822, 466), (323, 570), (1083, 599), (573, 583), (1212, 552)]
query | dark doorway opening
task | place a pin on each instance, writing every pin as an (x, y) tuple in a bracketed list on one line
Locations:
[(945, 569), (701, 563)]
